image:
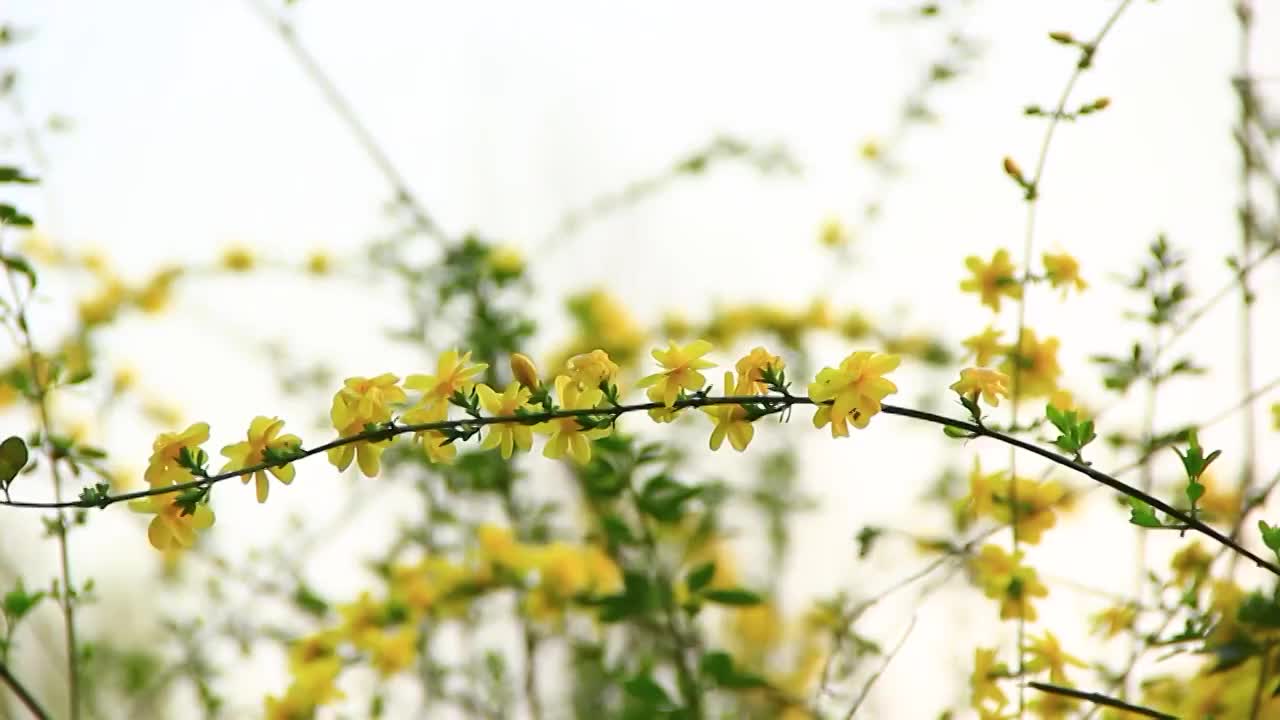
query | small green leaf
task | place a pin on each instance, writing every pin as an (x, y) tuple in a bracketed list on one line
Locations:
[(700, 576), (1270, 535), (1142, 514), (733, 596), (955, 432), (1195, 491), (13, 457), (645, 689)]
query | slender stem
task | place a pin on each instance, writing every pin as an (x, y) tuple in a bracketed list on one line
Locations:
[(1100, 700), (1087, 53), (23, 694), (778, 402), (346, 111), (66, 598), (1248, 115), (688, 683)]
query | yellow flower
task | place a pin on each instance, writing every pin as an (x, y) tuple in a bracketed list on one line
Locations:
[(163, 468), (263, 433), (1114, 620), (682, 365), (434, 443), (731, 419), (524, 371), (591, 369), (102, 308), (1045, 652), (506, 436), (1062, 400), (367, 400), (154, 296), (567, 435), (314, 684), (982, 683), (833, 234), (170, 529), (752, 367), (985, 382), (1036, 501), (1063, 271), (363, 401), (506, 262), (1275, 415), (1039, 366), (1003, 577), (454, 373), (985, 346), (318, 263), (993, 280), (755, 629), (499, 546), (392, 652), (238, 258), (984, 489), (1221, 503), (854, 391), (1190, 563), (312, 648)]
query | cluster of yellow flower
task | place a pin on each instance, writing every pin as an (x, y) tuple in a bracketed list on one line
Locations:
[(1028, 368), (365, 410), (384, 631)]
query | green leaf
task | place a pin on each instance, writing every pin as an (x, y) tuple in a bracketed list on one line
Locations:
[(955, 432), (13, 457), (664, 498), (1270, 535), (645, 689), (10, 174), (1194, 491), (733, 596), (10, 215), (700, 576), (18, 602), (1142, 514)]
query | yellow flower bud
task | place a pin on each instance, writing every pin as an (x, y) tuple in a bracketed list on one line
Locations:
[(524, 371)]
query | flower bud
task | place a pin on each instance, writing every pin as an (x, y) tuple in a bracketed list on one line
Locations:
[(524, 371)]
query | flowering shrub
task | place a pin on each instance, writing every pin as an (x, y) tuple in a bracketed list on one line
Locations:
[(562, 552)]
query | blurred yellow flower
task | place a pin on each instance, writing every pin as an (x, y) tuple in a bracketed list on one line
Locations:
[(1063, 271), (984, 346), (1038, 369), (238, 258), (992, 280)]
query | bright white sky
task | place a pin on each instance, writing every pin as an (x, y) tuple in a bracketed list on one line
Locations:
[(194, 128)]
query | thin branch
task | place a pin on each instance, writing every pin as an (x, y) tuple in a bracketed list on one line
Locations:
[(46, 429), (1099, 699), (23, 694), (776, 403), (346, 111), (871, 681)]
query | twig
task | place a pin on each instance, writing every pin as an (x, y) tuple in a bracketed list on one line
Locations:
[(64, 555), (23, 694), (346, 111), (866, 689), (1099, 699)]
